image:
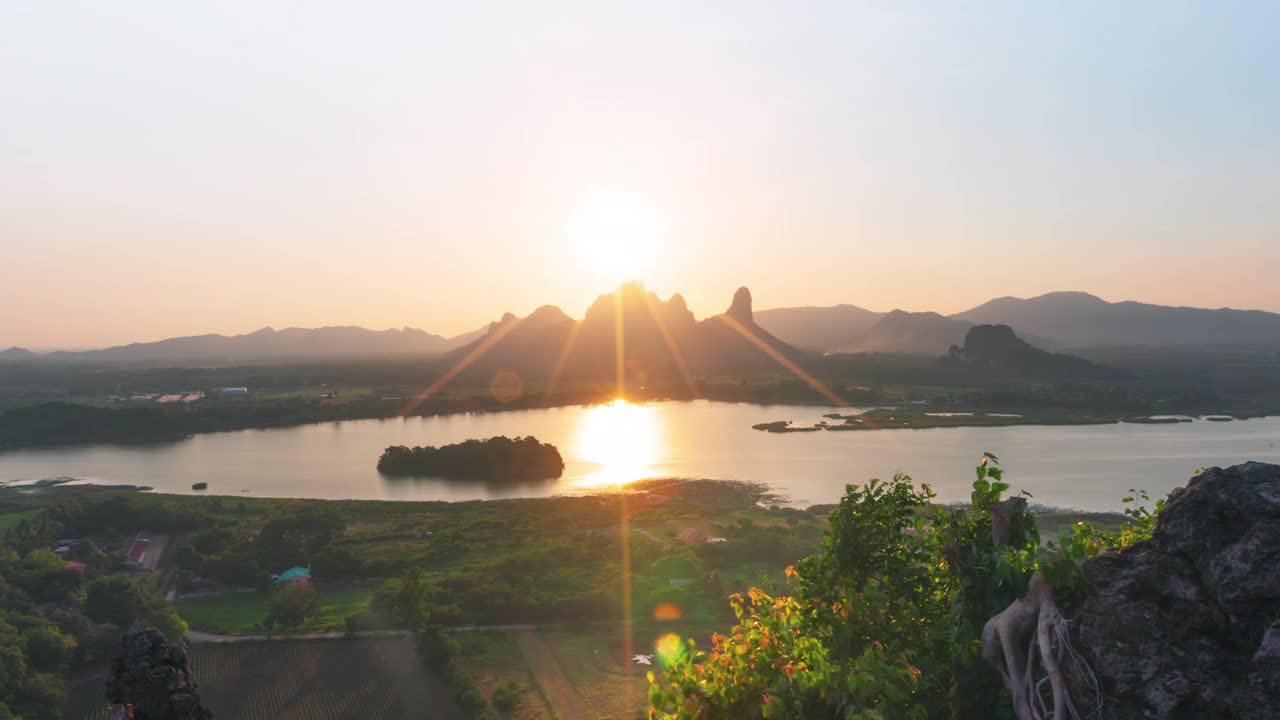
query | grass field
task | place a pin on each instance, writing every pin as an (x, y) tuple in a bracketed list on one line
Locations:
[(11, 519), (235, 612), (298, 680)]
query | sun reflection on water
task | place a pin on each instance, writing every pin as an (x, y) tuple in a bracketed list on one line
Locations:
[(623, 442)]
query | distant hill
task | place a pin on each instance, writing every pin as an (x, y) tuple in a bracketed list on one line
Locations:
[(819, 329), (266, 345), (1076, 319), (997, 348), (913, 333), (16, 353), (658, 338)]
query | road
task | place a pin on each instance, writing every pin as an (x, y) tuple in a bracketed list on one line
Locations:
[(555, 687), (196, 637)]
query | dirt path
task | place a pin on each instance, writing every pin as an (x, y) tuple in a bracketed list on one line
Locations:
[(195, 636), (546, 671)]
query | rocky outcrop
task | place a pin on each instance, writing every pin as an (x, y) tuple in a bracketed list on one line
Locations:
[(151, 680), (997, 349), (1183, 625), (740, 308)]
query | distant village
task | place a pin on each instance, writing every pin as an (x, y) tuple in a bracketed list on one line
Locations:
[(185, 396)]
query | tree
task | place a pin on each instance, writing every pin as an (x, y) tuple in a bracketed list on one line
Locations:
[(436, 648), (74, 624), (294, 539), (45, 577), (408, 598), (42, 697), (114, 599), (184, 580), (291, 604), (13, 660), (106, 642), (333, 561), (236, 566), (188, 558), (48, 650), (163, 616), (211, 541)]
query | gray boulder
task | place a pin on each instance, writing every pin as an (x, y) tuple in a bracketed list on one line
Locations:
[(152, 680), (1186, 625)]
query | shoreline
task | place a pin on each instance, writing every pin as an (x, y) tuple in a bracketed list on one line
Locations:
[(917, 418)]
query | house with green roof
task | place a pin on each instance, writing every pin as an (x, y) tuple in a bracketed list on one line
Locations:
[(297, 573)]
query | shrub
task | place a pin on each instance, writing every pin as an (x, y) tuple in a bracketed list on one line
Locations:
[(885, 622), (292, 604), (506, 698)]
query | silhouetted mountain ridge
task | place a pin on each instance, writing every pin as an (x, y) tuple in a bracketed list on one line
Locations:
[(1076, 319), (658, 337), (916, 333), (16, 353), (1067, 319), (267, 345), (820, 329)]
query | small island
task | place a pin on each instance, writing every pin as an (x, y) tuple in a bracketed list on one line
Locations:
[(923, 418), (783, 426), (498, 458)]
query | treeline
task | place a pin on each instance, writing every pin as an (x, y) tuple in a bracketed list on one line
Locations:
[(60, 423), (52, 615), (497, 458)]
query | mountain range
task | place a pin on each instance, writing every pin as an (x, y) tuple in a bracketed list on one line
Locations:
[(657, 337), (1055, 321), (265, 345), (1059, 320)]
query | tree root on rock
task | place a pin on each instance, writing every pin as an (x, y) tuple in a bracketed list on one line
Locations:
[(1029, 643)]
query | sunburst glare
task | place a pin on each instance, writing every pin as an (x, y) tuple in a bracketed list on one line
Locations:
[(624, 442), (618, 236)]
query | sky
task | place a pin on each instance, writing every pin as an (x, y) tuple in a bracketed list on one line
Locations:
[(180, 168)]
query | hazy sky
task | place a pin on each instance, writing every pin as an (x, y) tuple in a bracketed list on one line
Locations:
[(175, 168)]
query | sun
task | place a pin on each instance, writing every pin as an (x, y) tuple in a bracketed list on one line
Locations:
[(617, 236)]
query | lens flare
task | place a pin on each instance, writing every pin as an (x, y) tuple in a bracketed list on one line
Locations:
[(666, 611), (668, 647), (506, 387)]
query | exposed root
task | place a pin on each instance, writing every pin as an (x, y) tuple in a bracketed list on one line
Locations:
[(1029, 643)]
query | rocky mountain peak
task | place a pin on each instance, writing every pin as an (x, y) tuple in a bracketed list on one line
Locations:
[(740, 310)]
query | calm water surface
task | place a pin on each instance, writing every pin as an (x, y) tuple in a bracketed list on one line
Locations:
[(1087, 467)]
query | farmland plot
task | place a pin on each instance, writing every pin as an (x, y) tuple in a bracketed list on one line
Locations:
[(301, 680)]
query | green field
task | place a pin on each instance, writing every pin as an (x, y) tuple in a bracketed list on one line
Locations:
[(233, 613), (11, 519)]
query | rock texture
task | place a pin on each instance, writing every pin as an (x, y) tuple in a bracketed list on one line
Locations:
[(1184, 625), (153, 680)]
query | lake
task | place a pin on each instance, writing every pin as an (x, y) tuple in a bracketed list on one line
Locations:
[(1086, 466)]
